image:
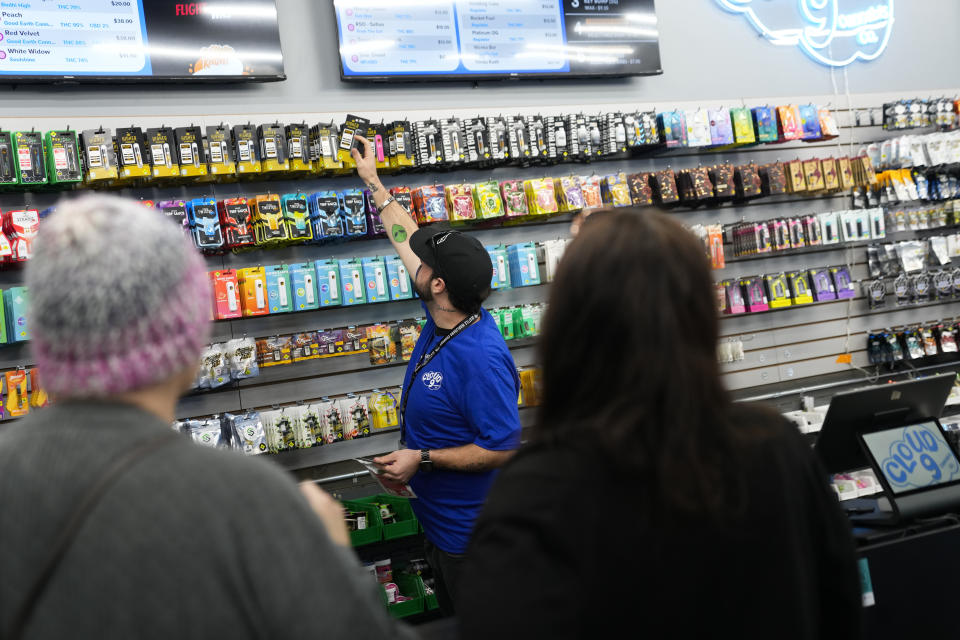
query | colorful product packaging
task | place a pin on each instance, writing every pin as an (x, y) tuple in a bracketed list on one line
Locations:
[(328, 282), (296, 217), (226, 294), (569, 193), (430, 204), (501, 267), (375, 279), (487, 201), (351, 278), (514, 199), (15, 301), (325, 217), (460, 202), (541, 196), (398, 280), (236, 223), (303, 279), (615, 190), (524, 267), (253, 291), (279, 293)]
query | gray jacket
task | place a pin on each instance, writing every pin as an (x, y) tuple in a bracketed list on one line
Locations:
[(189, 543)]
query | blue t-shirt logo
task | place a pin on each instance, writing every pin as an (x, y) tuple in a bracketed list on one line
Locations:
[(432, 380)]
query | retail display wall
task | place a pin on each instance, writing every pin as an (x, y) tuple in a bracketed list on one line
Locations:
[(786, 351)]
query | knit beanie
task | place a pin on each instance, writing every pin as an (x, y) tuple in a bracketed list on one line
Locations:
[(118, 298)]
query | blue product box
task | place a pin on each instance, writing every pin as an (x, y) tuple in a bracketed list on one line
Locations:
[(398, 280), (524, 269), (204, 220), (325, 216), (15, 303), (351, 282), (501, 267), (279, 292), (354, 213), (303, 279), (328, 283), (375, 279)]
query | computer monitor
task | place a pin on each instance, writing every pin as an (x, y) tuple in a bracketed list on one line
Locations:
[(874, 408), (919, 471)]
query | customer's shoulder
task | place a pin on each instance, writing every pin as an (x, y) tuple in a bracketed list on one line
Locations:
[(228, 469)]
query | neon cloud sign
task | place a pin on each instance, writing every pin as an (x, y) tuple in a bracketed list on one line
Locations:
[(832, 32)]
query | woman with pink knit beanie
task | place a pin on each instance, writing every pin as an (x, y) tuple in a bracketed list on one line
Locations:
[(111, 524)]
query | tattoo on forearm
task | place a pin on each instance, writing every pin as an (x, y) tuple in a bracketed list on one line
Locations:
[(373, 187), (399, 233)]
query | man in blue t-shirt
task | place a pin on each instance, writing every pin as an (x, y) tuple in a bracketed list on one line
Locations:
[(459, 419)]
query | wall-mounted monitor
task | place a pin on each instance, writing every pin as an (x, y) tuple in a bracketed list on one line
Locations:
[(139, 40), (415, 40)]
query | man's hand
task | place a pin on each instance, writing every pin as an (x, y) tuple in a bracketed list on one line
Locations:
[(399, 465), (329, 510), (366, 164)]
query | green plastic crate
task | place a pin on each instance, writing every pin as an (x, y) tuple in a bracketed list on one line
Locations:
[(374, 531), (411, 586), (406, 523)]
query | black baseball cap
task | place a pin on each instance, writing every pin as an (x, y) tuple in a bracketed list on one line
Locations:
[(459, 259)]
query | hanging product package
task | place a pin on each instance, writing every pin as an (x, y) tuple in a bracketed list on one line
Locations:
[(220, 152), (100, 158), (190, 153), (296, 217), (247, 432), (204, 221), (63, 157), (161, 152), (241, 356), (247, 150), (28, 158), (273, 148), (236, 223), (298, 148)]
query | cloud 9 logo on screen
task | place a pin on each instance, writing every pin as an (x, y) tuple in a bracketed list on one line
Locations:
[(832, 32)]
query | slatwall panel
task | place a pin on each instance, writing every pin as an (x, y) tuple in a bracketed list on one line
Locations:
[(787, 351)]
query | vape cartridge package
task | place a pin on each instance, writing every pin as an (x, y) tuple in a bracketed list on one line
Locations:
[(176, 211), (524, 268), (268, 226), (352, 126), (28, 155), (596, 136), (454, 144), (15, 302), (325, 215), (376, 134), (475, 138), (351, 277), (514, 199), (673, 128), (398, 280), (844, 284), (401, 148), (498, 139), (18, 399), (279, 292), (161, 152), (765, 124), (8, 164), (204, 223), (353, 212), (613, 135), (822, 284), (220, 152), (829, 227), (190, 152), (383, 410), (21, 228), (236, 223), (132, 153), (460, 202), (383, 349), (615, 191), (733, 293), (296, 217), (501, 267), (428, 143), (375, 279), (303, 283), (519, 140), (541, 196), (799, 287), (538, 135), (778, 290), (253, 291), (487, 201), (63, 157), (226, 294), (298, 148), (328, 282), (569, 193), (246, 144), (324, 140), (743, 131), (756, 297), (430, 204), (273, 148), (374, 223)]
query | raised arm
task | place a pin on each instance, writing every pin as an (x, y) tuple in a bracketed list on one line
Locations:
[(398, 222)]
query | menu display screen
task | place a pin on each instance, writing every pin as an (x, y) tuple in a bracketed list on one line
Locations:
[(139, 39), (477, 39)]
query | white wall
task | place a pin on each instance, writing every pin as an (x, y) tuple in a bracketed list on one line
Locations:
[(707, 54)]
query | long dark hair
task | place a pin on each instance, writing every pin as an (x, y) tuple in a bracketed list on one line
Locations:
[(629, 356)]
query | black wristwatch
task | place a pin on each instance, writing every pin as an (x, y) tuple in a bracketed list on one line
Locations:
[(426, 464)]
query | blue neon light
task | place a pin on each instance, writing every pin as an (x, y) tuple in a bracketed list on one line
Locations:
[(820, 29)]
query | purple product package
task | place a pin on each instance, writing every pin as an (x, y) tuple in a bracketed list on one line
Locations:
[(374, 225), (176, 210), (822, 285), (756, 296), (843, 283), (721, 128), (735, 302)]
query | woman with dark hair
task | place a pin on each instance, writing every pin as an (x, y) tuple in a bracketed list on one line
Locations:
[(647, 499)]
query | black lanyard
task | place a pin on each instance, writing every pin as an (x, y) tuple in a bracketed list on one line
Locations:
[(424, 361)]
